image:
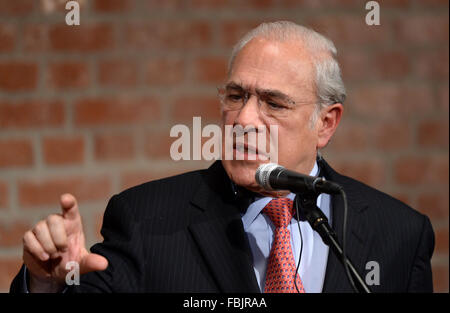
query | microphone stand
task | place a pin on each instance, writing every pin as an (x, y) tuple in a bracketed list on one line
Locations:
[(319, 222)]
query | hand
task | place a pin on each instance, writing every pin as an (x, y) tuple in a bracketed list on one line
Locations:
[(55, 241)]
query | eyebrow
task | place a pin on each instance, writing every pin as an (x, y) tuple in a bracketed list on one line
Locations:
[(233, 86), (273, 93)]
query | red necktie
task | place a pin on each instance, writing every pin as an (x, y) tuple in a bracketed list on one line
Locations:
[(281, 268)]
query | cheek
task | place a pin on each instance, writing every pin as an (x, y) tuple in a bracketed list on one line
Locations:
[(228, 117), (295, 139)]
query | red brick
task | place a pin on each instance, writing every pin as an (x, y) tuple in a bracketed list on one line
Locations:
[(422, 29), (9, 267), (129, 179), (440, 278), (432, 3), (118, 111), (83, 38), (172, 5), (342, 4), (59, 6), (414, 170), (391, 64), (350, 30), (356, 65), (11, 233), (370, 172), (177, 5), (31, 113), (395, 4), (157, 144), (330, 4), (186, 107), (433, 133), (403, 198), (133, 178), (259, 4), (349, 135), (232, 30), (16, 7), (165, 71), (443, 99), (39, 191), (35, 37), (114, 147), (205, 4), (63, 150), (163, 35), (441, 237), (434, 204), (391, 136), (68, 75), (390, 101), (16, 152), (4, 195), (108, 6), (18, 75), (211, 70), (117, 72), (432, 65), (7, 37)]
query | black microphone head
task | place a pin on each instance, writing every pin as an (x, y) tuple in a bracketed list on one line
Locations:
[(263, 173)]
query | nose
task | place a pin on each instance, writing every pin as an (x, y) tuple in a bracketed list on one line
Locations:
[(249, 113)]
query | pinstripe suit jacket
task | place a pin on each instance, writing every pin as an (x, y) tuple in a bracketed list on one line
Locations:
[(184, 234)]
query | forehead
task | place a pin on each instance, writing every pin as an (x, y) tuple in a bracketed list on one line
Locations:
[(284, 66)]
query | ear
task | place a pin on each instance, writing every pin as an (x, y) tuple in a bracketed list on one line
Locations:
[(329, 121)]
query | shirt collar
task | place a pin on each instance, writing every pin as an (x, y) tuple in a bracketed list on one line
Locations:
[(259, 203)]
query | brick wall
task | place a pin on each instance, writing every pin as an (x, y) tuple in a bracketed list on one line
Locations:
[(88, 109)]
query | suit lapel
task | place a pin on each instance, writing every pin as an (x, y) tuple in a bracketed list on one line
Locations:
[(218, 232), (358, 234), (216, 227)]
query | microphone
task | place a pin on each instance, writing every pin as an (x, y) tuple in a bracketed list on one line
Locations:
[(272, 176)]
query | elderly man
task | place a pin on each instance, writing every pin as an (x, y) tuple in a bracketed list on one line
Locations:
[(217, 230)]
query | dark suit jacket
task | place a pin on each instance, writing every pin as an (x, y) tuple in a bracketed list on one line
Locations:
[(185, 234)]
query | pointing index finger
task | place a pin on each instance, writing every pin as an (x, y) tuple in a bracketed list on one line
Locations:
[(69, 206)]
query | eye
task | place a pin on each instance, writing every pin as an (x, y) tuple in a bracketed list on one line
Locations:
[(275, 105), (235, 97)]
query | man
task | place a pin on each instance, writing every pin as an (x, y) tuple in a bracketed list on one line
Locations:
[(217, 230)]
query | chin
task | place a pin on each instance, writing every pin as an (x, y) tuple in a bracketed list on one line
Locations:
[(242, 172)]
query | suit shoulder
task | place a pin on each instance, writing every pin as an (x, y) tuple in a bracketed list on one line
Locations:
[(184, 183), (161, 199), (381, 202)]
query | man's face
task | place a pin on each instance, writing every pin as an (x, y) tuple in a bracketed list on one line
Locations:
[(284, 73)]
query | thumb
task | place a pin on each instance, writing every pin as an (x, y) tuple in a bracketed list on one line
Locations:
[(93, 262)]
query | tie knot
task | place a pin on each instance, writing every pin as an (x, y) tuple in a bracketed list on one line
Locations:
[(280, 211)]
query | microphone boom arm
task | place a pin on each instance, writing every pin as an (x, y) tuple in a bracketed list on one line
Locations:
[(319, 222)]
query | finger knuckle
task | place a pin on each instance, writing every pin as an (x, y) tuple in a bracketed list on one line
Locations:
[(49, 246), (39, 226), (53, 219), (26, 237)]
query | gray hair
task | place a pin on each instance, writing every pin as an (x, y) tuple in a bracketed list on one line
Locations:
[(328, 82)]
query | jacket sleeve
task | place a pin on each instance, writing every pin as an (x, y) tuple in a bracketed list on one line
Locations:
[(421, 279), (122, 247), (19, 283)]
